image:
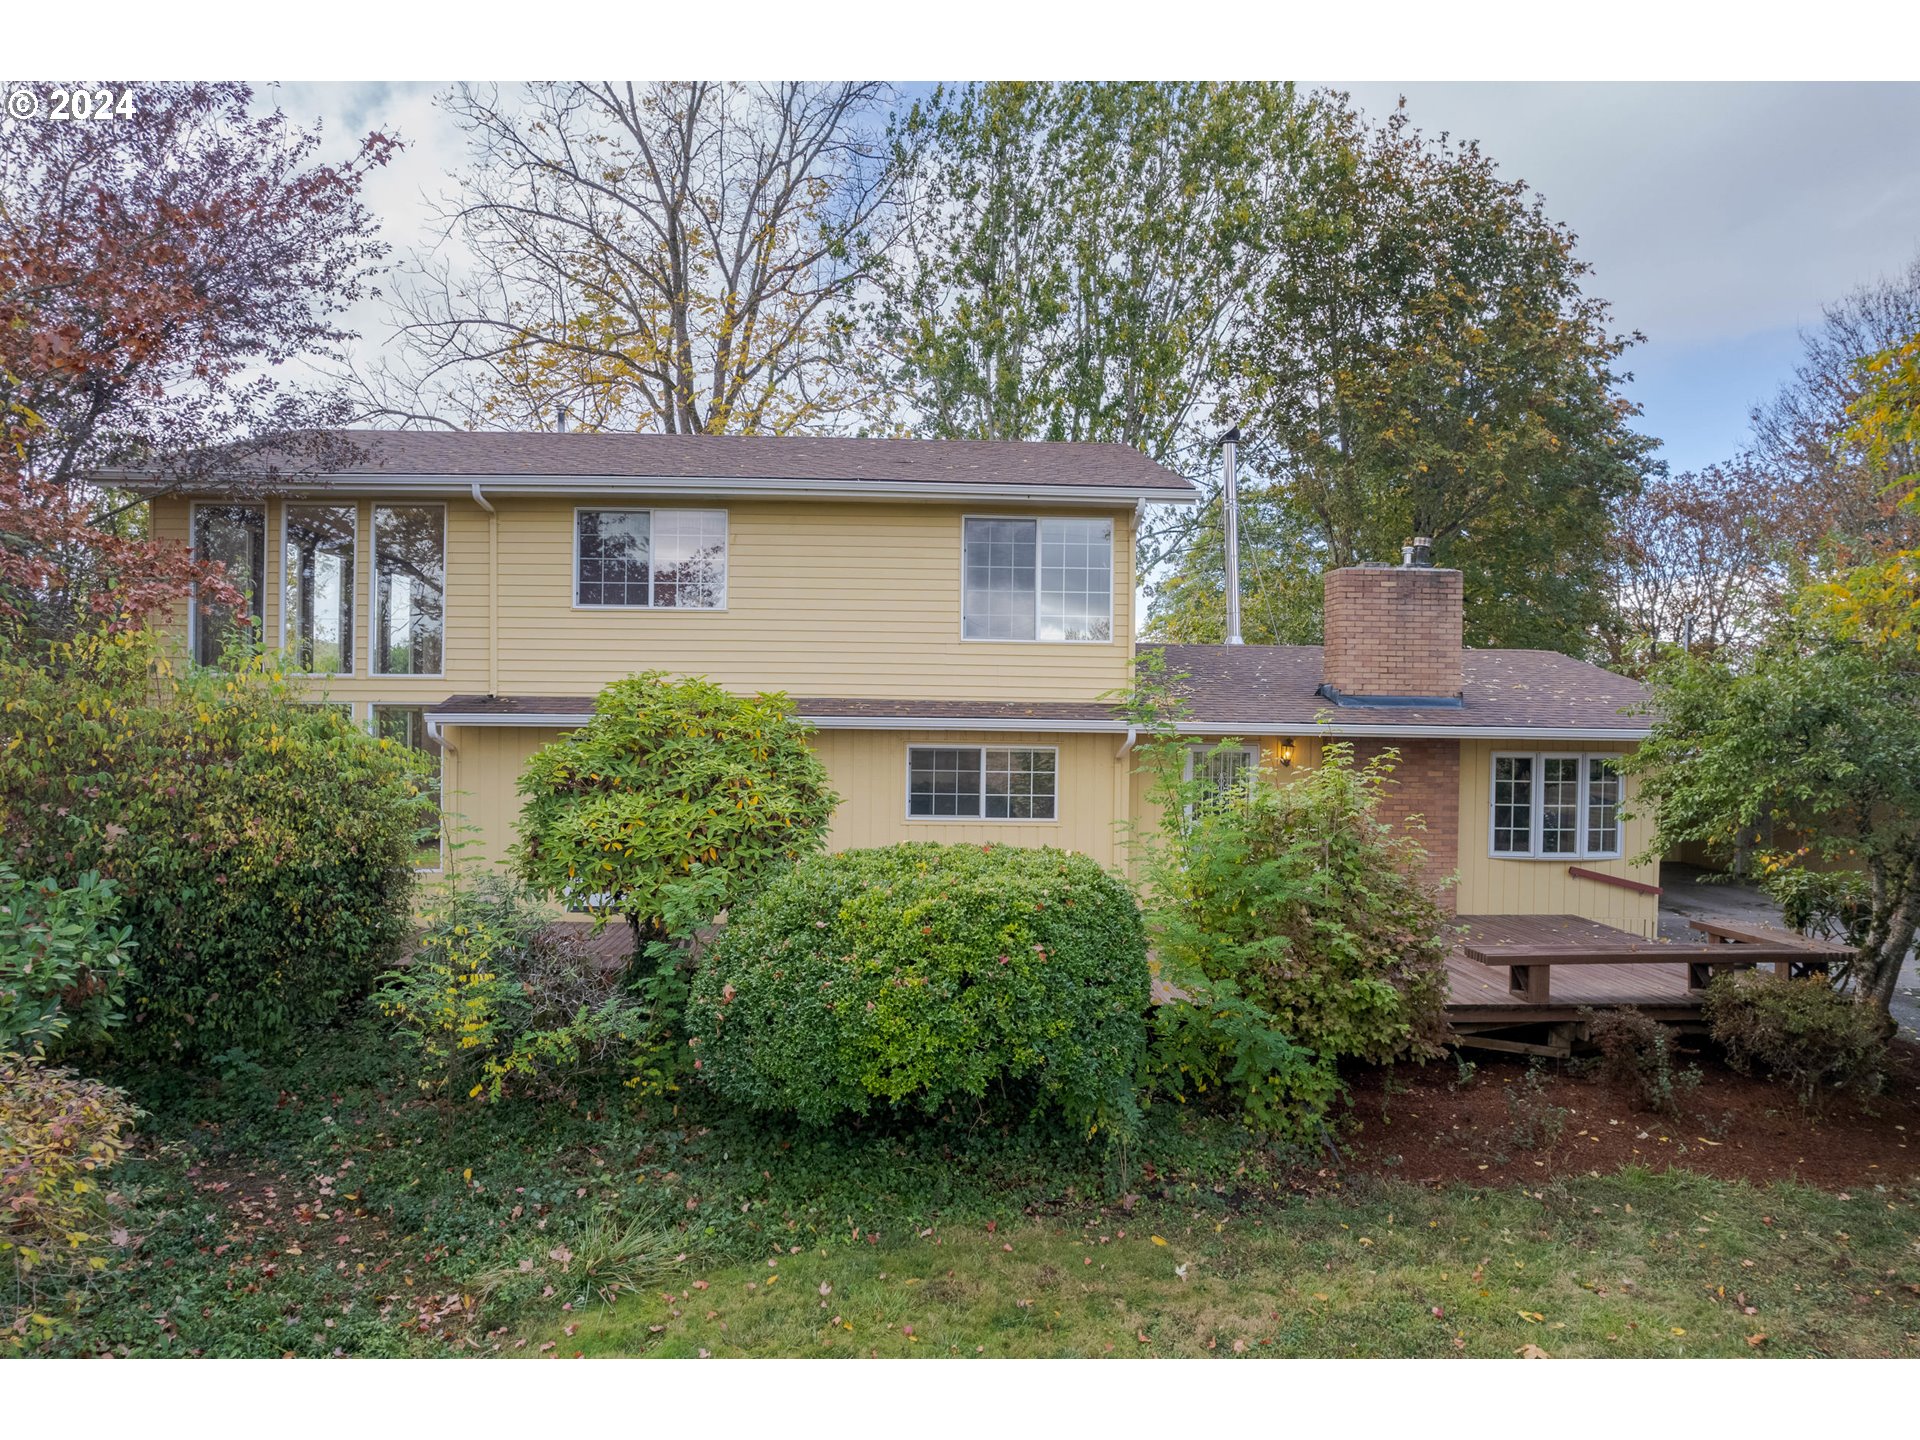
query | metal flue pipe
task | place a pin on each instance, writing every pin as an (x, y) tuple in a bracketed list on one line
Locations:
[(1230, 507)]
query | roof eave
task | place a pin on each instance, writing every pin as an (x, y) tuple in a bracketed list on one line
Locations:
[(573, 719), (701, 487)]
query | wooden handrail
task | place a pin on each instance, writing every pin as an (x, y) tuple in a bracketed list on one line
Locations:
[(1639, 887)]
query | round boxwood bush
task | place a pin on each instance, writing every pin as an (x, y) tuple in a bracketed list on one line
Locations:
[(921, 976), (261, 847)]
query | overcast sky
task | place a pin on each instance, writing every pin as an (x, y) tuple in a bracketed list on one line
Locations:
[(1718, 217)]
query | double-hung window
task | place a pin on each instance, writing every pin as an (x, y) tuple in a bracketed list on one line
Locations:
[(1556, 806), (1046, 579), (236, 536), (652, 559), (981, 782)]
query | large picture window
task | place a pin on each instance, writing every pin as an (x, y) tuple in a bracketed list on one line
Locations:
[(316, 615), (1556, 806), (657, 559), (975, 782), (407, 725), (1047, 579), (236, 536), (409, 586)]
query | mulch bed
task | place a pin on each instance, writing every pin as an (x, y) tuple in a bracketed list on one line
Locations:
[(1426, 1124)]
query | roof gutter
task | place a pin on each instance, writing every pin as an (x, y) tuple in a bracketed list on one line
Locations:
[(574, 719)]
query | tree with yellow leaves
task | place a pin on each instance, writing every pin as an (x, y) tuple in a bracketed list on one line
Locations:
[(675, 257)]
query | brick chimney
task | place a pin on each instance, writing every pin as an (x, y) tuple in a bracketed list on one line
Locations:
[(1393, 632)]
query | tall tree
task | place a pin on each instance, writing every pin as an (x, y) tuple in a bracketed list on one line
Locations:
[(154, 271), (1424, 359), (1800, 754), (1076, 257), (673, 257), (1843, 501), (1697, 561)]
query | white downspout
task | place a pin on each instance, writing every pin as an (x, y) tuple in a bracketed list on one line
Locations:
[(493, 589)]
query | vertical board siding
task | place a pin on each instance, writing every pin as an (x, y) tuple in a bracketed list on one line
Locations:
[(1499, 886), (867, 769)]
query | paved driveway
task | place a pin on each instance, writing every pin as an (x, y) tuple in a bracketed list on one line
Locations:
[(1688, 894)]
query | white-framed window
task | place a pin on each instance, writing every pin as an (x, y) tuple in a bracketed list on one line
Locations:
[(1045, 579), (1228, 770), (235, 534), (1555, 806), (649, 559), (409, 589), (407, 725), (982, 782), (317, 544)]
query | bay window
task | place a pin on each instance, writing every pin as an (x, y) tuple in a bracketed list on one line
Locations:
[(1555, 806), (1046, 579)]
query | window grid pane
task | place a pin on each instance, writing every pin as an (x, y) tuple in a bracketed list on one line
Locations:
[(1513, 804), (999, 601), (317, 585), (1603, 807), (1227, 773), (1076, 580), (410, 568), (1560, 805), (690, 559), (1020, 784), (236, 536), (943, 782), (615, 558)]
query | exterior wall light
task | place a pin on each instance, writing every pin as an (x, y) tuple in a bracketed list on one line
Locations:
[(1286, 752)]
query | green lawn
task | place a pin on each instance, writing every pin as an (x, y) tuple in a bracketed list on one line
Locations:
[(324, 1207), (1634, 1265)]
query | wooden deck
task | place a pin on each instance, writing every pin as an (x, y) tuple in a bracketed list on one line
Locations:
[(1520, 982)]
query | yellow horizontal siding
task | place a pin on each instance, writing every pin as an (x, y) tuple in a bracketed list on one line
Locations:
[(823, 598)]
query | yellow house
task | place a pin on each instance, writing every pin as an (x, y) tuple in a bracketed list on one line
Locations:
[(951, 616)]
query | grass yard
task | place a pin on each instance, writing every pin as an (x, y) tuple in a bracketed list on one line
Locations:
[(1632, 1265), (322, 1207)]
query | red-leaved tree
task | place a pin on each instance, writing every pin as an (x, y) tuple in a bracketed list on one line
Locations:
[(155, 271)]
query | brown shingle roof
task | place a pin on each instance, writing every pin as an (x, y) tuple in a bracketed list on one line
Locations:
[(1501, 690), (480, 454), (1242, 689)]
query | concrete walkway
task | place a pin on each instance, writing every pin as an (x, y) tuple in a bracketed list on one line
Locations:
[(1691, 894)]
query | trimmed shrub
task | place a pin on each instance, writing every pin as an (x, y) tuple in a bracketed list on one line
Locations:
[(498, 999), (57, 1131), (922, 976), (262, 846), (677, 800), (63, 961), (1637, 1052), (1804, 1033)]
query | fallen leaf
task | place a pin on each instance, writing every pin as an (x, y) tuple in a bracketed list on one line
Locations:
[(1156, 1240), (1532, 1352)]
